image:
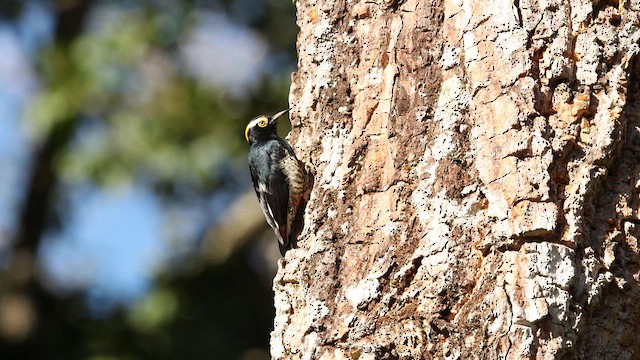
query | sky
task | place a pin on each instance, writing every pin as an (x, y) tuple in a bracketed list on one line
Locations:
[(111, 247), (115, 239)]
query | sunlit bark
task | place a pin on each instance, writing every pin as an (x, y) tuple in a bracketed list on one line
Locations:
[(476, 182)]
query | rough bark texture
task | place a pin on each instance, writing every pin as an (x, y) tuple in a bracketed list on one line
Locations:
[(476, 185)]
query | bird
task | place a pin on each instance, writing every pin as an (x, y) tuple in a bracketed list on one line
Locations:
[(278, 177)]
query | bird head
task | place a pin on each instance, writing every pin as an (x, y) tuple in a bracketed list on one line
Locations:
[(263, 127)]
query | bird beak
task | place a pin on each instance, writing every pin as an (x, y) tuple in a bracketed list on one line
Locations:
[(274, 118)]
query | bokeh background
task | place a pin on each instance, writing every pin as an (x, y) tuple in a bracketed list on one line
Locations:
[(128, 226)]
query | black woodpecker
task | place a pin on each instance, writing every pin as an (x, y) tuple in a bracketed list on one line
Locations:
[(278, 177)]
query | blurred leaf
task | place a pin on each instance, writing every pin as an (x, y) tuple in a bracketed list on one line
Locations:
[(154, 311)]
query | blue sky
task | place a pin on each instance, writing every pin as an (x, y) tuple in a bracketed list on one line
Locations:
[(112, 245), (115, 238)]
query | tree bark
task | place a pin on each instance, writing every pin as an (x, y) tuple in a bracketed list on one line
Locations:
[(28, 311), (477, 182)]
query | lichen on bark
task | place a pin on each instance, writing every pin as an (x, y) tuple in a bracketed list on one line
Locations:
[(476, 182)]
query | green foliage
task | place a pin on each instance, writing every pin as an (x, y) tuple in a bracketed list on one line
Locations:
[(155, 310), (143, 115), (137, 116)]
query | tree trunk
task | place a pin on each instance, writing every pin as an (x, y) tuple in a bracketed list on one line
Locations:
[(477, 182), (29, 314)]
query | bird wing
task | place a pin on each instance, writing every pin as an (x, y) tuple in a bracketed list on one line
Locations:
[(278, 199), (273, 195)]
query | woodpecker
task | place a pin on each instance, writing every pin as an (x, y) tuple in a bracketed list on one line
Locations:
[(278, 177)]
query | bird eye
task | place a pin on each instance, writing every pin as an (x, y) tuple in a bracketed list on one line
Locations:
[(263, 122)]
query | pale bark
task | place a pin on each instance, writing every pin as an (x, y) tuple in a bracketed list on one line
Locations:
[(477, 182)]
